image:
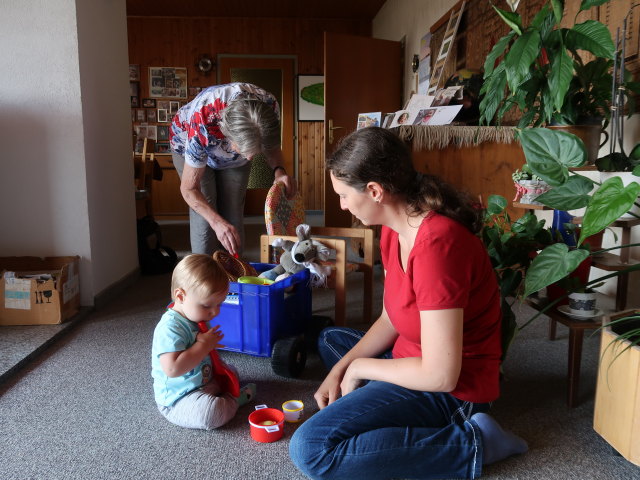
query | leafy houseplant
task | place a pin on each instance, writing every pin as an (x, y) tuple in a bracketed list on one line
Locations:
[(528, 185), (542, 72), (512, 245)]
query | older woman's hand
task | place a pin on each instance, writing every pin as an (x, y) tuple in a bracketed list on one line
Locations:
[(290, 185)]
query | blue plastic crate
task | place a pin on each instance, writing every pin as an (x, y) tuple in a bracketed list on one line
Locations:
[(254, 317)]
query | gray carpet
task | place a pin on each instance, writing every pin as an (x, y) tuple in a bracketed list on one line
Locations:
[(84, 408)]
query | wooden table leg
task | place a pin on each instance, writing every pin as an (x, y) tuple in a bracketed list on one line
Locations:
[(552, 329), (576, 336)]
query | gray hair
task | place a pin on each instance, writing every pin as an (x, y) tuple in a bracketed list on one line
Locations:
[(252, 125)]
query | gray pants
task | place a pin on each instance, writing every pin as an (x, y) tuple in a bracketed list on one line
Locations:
[(225, 190), (204, 408)]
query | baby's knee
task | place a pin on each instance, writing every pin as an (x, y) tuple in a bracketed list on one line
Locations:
[(222, 410)]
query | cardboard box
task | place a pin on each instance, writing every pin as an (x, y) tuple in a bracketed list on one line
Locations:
[(37, 291)]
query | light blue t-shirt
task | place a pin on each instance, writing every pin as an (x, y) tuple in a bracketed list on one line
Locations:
[(174, 333)]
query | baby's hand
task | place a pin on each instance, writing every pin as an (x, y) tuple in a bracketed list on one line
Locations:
[(211, 338)]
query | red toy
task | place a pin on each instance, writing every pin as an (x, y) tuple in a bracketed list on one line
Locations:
[(227, 380)]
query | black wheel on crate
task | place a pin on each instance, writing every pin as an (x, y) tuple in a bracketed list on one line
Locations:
[(289, 356), (312, 332)]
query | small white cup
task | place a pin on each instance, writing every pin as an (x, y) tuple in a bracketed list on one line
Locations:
[(293, 410)]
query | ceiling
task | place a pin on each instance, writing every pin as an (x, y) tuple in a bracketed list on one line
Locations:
[(351, 9)]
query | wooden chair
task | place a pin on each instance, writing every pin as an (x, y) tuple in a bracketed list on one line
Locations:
[(143, 168), (278, 226)]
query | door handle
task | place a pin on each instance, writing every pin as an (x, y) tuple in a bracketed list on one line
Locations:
[(331, 129)]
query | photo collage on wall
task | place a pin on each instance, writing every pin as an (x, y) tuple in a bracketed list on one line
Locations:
[(151, 114)]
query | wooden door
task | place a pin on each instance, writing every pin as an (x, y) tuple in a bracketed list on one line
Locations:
[(362, 75), (276, 75)]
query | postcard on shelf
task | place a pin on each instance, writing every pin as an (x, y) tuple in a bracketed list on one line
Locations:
[(445, 95), (401, 117), (417, 102), (371, 119), (437, 115)]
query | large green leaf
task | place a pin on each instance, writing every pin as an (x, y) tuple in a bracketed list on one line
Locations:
[(521, 55), (550, 153), (496, 204), (591, 36), (607, 204), (558, 9), (497, 50), (560, 77), (587, 4), (510, 18), (553, 263), (573, 194), (493, 94)]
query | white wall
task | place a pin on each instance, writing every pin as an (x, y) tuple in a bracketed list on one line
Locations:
[(66, 181), (411, 19)]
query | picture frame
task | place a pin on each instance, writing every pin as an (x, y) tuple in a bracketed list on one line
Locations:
[(134, 73), (163, 133), (174, 107), (149, 102), (168, 82), (151, 115), (310, 98), (163, 115), (141, 115), (162, 147), (134, 102), (163, 104)]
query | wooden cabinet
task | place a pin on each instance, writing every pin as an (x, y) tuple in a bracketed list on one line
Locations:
[(166, 198)]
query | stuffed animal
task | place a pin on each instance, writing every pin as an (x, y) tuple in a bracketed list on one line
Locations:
[(305, 253)]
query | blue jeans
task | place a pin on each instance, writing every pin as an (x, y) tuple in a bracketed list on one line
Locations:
[(383, 431)]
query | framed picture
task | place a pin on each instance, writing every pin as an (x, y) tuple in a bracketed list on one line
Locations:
[(168, 82), (134, 73), (163, 147), (151, 115), (149, 102), (163, 133), (134, 102), (141, 115), (163, 104), (174, 107), (163, 115), (134, 89), (310, 98)]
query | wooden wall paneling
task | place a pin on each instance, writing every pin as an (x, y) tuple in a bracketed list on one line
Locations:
[(311, 164), (484, 169), (179, 42)]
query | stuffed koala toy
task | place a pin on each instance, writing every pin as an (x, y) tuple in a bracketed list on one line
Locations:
[(305, 253)]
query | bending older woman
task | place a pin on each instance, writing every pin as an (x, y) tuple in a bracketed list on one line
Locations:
[(408, 398), (213, 139)]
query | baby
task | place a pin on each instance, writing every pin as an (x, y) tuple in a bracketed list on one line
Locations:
[(184, 383)]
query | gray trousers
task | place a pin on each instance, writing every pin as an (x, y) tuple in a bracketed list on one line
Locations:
[(204, 408), (225, 191)]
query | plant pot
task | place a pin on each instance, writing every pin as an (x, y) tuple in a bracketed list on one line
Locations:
[(589, 134), (627, 178), (528, 190), (555, 291), (616, 416)]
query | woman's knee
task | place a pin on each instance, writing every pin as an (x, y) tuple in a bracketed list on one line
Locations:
[(305, 452)]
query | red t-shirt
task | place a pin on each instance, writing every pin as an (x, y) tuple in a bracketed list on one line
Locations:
[(448, 267)]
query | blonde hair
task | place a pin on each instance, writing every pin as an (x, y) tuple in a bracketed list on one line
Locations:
[(199, 273)]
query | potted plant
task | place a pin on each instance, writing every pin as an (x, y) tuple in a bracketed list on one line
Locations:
[(543, 75), (528, 185), (626, 167), (617, 406), (512, 245)]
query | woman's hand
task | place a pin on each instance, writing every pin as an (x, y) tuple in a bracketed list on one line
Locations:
[(351, 379), (227, 235), (329, 390), (290, 185)]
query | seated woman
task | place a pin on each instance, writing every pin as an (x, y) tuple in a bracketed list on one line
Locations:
[(407, 399)]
